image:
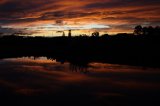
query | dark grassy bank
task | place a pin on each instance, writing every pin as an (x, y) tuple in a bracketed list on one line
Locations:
[(121, 49)]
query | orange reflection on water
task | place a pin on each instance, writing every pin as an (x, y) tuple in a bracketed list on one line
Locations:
[(29, 76)]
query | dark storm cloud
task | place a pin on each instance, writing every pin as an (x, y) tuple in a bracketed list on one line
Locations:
[(11, 31), (121, 3), (128, 19), (65, 14), (6, 30), (20, 9)]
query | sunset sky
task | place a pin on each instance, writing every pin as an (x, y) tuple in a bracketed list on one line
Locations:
[(45, 17)]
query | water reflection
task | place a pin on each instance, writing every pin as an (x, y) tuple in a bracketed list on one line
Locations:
[(79, 68), (96, 82)]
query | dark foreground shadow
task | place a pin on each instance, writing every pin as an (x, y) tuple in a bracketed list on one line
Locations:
[(78, 97), (142, 50), (79, 51)]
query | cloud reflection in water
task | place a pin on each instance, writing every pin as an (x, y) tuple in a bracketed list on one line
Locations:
[(26, 76)]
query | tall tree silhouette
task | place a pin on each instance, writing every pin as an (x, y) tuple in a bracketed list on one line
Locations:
[(138, 30), (157, 30), (150, 30), (145, 30), (95, 34)]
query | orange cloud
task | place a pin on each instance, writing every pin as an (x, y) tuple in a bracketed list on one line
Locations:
[(112, 13)]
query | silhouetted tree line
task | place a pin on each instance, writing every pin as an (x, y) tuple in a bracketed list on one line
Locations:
[(139, 30), (122, 48)]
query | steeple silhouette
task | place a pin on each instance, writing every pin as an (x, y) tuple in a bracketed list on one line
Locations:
[(63, 34), (69, 33)]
